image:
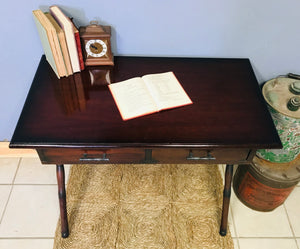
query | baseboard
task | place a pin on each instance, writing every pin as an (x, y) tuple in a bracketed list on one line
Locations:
[(5, 151)]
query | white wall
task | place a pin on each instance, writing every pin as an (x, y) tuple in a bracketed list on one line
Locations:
[(266, 31)]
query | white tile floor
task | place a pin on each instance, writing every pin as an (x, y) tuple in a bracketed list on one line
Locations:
[(29, 212)]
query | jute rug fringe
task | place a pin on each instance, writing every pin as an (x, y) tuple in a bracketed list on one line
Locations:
[(144, 206)]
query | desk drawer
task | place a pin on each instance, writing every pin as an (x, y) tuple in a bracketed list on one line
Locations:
[(142, 155), (95, 156), (217, 156)]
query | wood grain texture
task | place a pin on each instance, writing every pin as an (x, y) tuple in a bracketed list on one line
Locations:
[(76, 117), (228, 111)]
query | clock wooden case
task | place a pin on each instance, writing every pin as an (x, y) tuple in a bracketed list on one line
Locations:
[(96, 44)]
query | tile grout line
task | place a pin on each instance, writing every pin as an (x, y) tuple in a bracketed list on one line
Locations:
[(4, 210), (288, 218), (231, 211), (12, 185), (11, 189), (234, 227), (13, 181), (287, 214)]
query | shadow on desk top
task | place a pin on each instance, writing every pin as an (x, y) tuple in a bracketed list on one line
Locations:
[(228, 109)]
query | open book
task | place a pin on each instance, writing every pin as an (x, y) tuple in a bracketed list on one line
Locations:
[(148, 94)]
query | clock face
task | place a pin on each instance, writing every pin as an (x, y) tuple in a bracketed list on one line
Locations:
[(96, 48)]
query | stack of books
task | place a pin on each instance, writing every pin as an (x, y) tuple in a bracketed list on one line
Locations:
[(60, 40)]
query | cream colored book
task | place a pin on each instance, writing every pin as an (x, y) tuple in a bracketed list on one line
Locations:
[(62, 42), (50, 43), (67, 26), (151, 93)]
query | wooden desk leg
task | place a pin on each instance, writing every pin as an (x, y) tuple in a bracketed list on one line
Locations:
[(60, 174), (226, 199)]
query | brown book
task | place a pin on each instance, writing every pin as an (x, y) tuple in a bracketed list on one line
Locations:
[(50, 43), (62, 42), (67, 27)]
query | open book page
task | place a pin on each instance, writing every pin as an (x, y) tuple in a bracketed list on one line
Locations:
[(132, 98), (166, 90)]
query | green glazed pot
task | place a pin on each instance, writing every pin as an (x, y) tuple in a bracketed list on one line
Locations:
[(278, 95)]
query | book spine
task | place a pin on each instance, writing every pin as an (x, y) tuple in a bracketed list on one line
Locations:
[(79, 50), (44, 37), (67, 27)]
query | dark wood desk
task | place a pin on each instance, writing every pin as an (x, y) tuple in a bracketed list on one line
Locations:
[(75, 119)]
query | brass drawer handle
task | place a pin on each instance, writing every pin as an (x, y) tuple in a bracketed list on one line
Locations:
[(207, 157), (86, 158)]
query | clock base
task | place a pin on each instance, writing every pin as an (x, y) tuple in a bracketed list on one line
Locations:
[(100, 62)]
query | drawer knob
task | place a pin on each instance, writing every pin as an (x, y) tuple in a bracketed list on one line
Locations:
[(209, 156), (88, 158)]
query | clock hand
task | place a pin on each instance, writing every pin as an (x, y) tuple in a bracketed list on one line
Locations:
[(94, 47)]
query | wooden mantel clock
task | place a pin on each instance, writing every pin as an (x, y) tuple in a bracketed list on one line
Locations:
[(96, 44)]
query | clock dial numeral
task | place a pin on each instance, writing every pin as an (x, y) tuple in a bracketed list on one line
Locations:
[(96, 48)]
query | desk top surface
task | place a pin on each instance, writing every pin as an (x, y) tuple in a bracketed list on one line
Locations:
[(228, 108)]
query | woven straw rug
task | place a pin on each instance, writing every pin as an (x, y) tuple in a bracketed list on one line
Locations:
[(144, 206)]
